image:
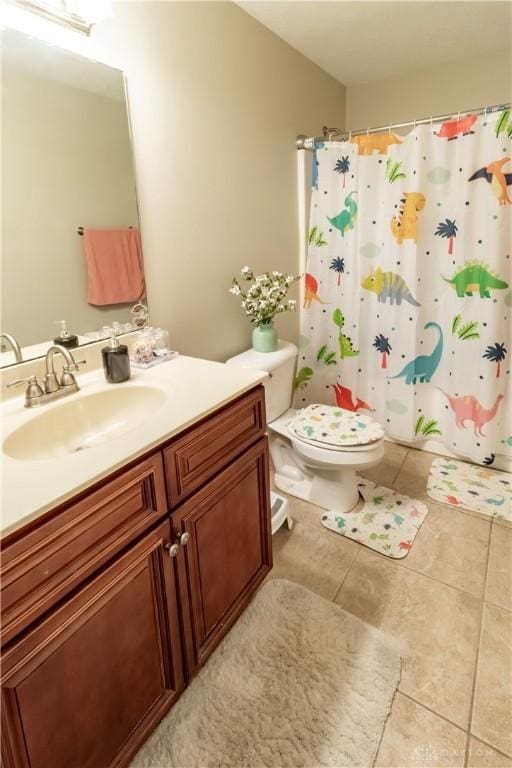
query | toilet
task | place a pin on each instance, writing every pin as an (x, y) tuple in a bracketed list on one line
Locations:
[(316, 451)]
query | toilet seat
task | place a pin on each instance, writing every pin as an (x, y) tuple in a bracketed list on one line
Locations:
[(334, 429), (316, 457), (333, 448)]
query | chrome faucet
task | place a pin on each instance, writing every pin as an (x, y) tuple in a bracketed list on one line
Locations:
[(14, 345), (53, 387), (50, 381)]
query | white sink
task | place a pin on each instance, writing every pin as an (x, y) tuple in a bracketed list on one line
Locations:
[(78, 423)]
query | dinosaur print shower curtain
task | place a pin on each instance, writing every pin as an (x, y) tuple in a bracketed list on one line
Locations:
[(407, 299)]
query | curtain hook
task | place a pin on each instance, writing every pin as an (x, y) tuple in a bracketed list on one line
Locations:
[(350, 135), (458, 116), (431, 122), (485, 111), (368, 131), (414, 125), (389, 129)]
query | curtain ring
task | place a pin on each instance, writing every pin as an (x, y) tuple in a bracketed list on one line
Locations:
[(485, 111), (458, 116), (414, 125), (350, 135), (368, 131)]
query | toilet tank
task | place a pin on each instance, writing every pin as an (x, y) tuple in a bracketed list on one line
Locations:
[(280, 366)]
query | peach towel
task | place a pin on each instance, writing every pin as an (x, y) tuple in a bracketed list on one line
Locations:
[(114, 266)]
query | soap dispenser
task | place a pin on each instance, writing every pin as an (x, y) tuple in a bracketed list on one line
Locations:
[(66, 339), (116, 361)]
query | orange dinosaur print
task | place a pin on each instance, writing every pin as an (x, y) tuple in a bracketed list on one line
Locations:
[(407, 545), (452, 128), (311, 291), (499, 181), (405, 225), (453, 500), (367, 143), (345, 399)]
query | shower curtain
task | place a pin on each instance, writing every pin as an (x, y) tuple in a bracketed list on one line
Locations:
[(407, 298)]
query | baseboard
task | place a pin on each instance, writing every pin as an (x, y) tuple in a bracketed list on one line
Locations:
[(502, 463)]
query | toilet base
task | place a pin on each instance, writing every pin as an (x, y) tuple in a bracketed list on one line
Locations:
[(334, 488), (339, 495)]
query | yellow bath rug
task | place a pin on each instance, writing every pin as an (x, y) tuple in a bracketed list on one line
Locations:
[(388, 522), (471, 487)]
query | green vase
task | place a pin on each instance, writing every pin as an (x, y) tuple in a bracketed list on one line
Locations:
[(264, 338)]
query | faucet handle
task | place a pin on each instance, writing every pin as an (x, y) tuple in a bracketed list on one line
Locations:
[(17, 382), (33, 391), (67, 368), (67, 379), (30, 380)]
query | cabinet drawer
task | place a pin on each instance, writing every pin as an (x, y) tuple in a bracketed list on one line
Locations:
[(46, 563), (208, 447)]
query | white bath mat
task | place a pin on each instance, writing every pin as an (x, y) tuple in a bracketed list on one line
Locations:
[(471, 487), (297, 682), (388, 522)]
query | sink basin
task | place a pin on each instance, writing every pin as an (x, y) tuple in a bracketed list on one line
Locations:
[(77, 424)]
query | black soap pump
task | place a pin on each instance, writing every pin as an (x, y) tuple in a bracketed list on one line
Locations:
[(116, 361), (66, 339)]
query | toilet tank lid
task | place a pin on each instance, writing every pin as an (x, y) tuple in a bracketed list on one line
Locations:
[(265, 361)]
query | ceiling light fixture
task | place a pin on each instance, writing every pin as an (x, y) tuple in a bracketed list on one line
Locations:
[(77, 15)]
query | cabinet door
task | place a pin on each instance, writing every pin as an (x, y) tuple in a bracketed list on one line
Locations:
[(226, 550), (83, 688)]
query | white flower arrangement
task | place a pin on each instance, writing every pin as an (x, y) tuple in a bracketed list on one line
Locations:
[(266, 297)]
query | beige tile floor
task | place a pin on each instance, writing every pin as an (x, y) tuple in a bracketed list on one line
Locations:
[(449, 601)]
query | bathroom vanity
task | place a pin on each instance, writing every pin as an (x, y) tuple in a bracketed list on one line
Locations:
[(114, 595)]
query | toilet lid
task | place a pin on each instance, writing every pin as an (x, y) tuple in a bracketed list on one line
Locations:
[(331, 426)]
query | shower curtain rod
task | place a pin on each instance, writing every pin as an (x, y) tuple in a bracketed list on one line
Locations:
[(303, 142)]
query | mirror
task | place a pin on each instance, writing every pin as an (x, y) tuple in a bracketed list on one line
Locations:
[(70, 227)]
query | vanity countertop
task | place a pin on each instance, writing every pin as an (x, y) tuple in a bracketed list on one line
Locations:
[(194, 388)]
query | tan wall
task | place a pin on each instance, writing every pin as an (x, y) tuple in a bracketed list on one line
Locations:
[(216, 102), (438, 90), (75, 169)]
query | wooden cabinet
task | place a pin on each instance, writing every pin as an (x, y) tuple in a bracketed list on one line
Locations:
[(206, 448), (227, 551), (83, 687), (110, 604), (41, 566)]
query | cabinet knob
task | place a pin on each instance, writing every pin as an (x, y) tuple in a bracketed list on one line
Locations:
[(173, 549), (183, 538)]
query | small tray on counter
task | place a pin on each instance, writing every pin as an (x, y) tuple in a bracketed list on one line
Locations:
[(155, 361)]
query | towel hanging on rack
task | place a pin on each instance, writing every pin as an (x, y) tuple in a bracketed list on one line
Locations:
[(114, 266)]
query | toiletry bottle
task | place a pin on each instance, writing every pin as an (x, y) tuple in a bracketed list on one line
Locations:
[(66, 339), (116, 361)]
